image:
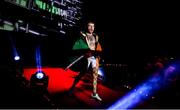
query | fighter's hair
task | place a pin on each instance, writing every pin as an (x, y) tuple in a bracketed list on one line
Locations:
[(90, 21)]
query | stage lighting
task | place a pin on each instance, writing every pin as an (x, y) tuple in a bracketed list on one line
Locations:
[(101, 74), (16, 58), (39, 75), (39, 81)]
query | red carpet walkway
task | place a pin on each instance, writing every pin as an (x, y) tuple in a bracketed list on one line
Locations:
[(60, 82)]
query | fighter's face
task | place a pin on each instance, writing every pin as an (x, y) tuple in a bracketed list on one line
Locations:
[(91, 28)]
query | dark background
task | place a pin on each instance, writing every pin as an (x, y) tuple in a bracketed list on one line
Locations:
[(135, 26), (130, 33)]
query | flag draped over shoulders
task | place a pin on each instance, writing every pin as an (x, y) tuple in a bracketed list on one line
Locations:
[(81, 43)]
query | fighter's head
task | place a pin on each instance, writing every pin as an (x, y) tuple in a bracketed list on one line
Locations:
[(90, 27)]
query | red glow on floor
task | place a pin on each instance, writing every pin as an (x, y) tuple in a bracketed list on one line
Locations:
[(60, 81)]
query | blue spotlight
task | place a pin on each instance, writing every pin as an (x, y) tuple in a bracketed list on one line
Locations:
[(39, 75), (38, 58), (15, 53), (101, 73), (135, 96), (143, 91), (17, 58), (39, 82)]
